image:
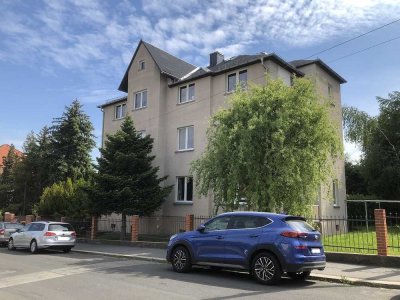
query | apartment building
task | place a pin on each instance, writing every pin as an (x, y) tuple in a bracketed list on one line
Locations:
[(172, 101)]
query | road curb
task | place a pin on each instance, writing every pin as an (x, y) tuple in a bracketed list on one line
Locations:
[(319, 277)]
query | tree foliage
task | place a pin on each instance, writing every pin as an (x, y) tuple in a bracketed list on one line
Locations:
[(126, 182), (65, 198), (7, 181), (272, 147), (379, 138), (72, 143)]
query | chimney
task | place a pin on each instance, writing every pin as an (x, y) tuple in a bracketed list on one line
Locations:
[(216, 58)]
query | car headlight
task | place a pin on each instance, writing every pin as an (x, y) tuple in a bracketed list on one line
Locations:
[(172, 237)]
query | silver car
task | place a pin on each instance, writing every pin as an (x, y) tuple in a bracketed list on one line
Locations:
[(6, 229), (44, 235)]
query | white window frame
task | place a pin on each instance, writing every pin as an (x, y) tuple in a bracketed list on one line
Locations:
[(187, 86), (184, 200), (330, 91), (237, 81), (123, 111), (187, 148), (141, 99), (142, 65), (335, 192)]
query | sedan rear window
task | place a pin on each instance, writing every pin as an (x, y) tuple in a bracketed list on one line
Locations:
[(300, 225), (60, 227), (13, 226)]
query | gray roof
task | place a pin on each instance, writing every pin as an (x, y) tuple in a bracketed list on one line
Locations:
[(305, 62), (235, 63), (113, 101), (167, 63)]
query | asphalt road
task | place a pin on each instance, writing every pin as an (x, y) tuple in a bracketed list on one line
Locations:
[(55, 275)]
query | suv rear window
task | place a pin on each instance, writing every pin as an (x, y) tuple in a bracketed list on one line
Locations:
[(60, 227), (300, 225), (13, 226)]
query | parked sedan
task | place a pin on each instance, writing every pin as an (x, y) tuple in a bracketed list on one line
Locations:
[(6, 229), (44, 235), (265, 244)]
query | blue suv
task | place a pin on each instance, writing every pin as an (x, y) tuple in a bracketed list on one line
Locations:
[(265, 244)]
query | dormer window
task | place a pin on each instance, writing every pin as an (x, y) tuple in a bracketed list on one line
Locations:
[(186, 93), (142, 65)]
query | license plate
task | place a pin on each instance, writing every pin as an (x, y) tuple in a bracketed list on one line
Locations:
[(63, 238), (315, 250)]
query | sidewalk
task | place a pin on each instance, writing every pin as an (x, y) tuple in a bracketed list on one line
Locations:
[(334, 272)]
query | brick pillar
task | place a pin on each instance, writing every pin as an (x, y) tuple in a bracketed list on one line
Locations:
[(63, 219), (29, 219), (13, 218), (7, 217), (38, 218), (135, 228), (381, 231), (189, 222), (93, 231)]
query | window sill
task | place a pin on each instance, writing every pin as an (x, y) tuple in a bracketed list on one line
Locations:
[(140, 108), (336, 206), (182, 103), (183, 202), (184, 150), (118, 119)]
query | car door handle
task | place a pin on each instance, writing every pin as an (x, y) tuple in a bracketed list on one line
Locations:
[(254, 235), (220, 237)]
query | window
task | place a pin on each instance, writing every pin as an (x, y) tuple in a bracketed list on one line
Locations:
[(142, 65), (248, 222), (60, 227), (220, 223), (186, 138), (235, 79), (186, 93), (140, 100), (335, 191), (329, 90), (184, 188), (120, 111), (36, 227)]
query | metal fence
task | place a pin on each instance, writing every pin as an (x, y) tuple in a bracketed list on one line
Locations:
[(82, 227), (161, 225), (198, 220), (357, 234)]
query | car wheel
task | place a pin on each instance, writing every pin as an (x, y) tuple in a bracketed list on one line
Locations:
[(11, 245), (266, 269), (181, 262), (299, 275), (66, 250), (33, 247)]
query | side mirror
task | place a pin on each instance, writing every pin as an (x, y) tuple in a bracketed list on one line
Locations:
[(18, 230), (201, 228)]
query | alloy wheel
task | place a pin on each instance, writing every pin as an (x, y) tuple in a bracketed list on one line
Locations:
[(264, 268), (179, 259)]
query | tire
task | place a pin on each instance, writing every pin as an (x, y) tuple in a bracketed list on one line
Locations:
[(11, 245), (67, 250), (33, 247), (266, 269), (180, 260), (299, 275)]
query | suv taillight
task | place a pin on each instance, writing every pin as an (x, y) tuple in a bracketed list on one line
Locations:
[(73, 234), (49, 233), (2, 231), (294, 234)]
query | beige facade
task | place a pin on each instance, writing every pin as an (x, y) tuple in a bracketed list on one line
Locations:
[(165, 118)]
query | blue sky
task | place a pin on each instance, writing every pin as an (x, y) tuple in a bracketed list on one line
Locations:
[(52, 52)]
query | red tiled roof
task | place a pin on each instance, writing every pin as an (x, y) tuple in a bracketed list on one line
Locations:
[(4, 149)]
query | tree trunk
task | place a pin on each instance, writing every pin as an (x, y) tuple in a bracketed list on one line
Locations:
[(123, 227)]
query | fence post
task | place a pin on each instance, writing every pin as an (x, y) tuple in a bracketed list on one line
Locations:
[(189, 222), (29, 219), (93, 231), (381, 231), (135, 228)]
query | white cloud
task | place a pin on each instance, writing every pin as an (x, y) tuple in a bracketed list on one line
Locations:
[(97, 38)]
